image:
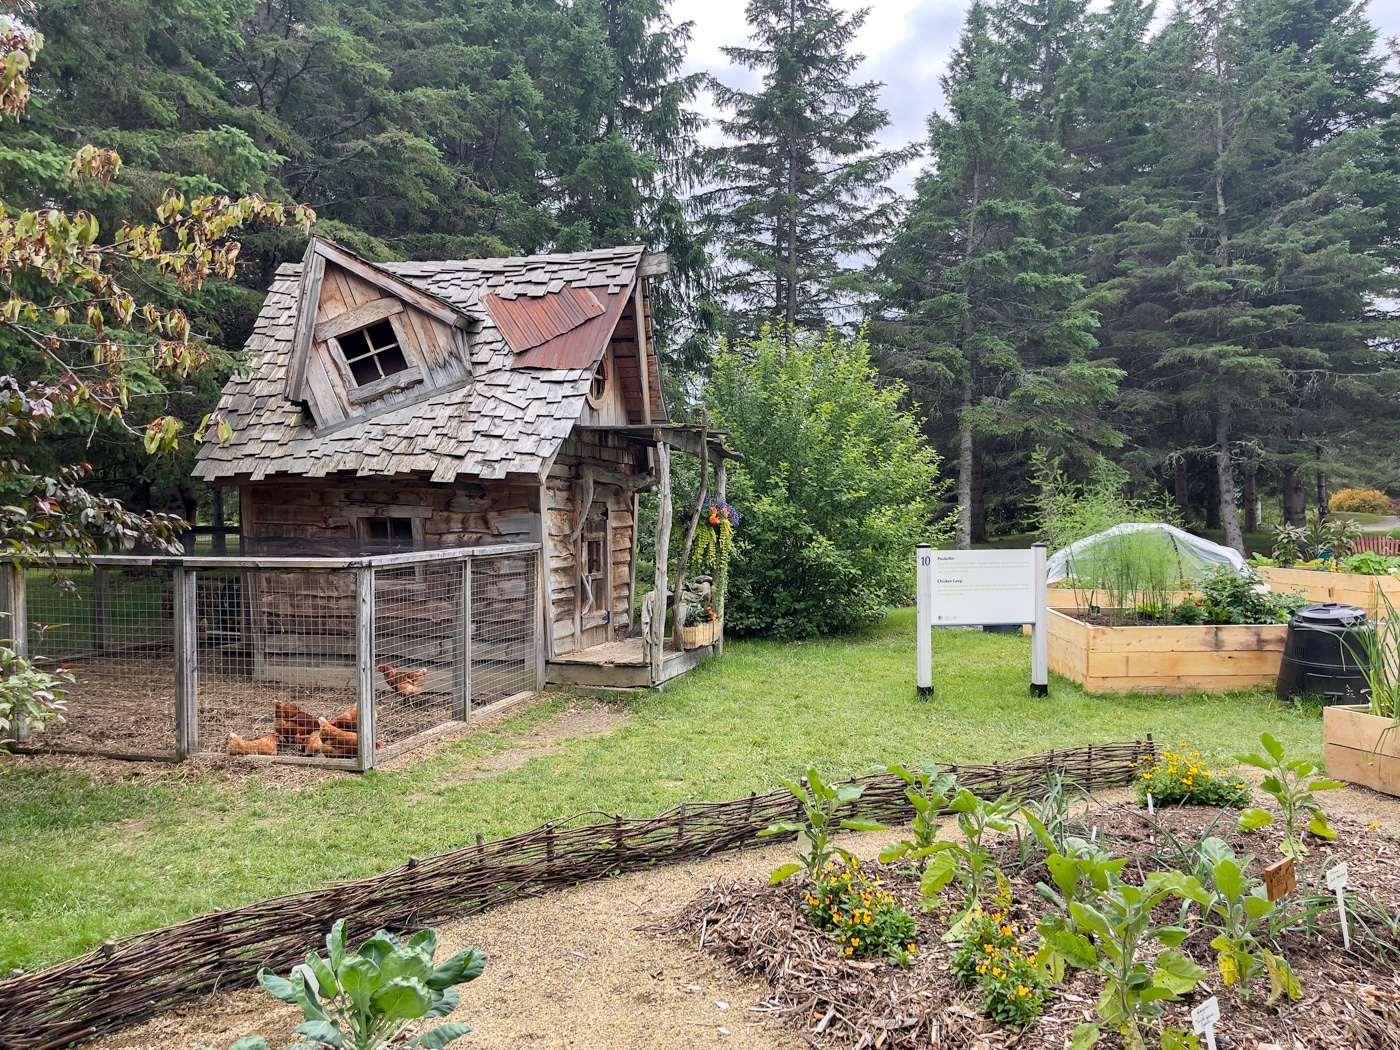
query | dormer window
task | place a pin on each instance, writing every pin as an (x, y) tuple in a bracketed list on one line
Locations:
[(375, 358), (373, 353)]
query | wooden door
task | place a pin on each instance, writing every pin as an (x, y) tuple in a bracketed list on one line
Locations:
[(594, 577)]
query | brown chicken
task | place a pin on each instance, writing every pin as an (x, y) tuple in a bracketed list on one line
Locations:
[(313, 745), (291, 722), (349, 719), (405, 683), (263, 745), (338, 742)]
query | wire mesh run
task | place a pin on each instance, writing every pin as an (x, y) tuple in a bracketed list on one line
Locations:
[(504, 619), (283, 658), (278, 673), (114, 630)]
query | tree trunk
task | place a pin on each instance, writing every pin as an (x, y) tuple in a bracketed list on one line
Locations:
[(965, 451), (1322, 507), (1251, 495), (1181, 479), (1225, 470), (218, 544), (979, 498), (1295, 509)]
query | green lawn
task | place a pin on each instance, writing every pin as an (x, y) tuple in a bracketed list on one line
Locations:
[(84, 862)]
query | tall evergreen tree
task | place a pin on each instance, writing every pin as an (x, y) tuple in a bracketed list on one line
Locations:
[(980, 313), (799, 190)]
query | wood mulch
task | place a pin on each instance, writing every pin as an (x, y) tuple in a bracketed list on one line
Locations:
[(1351, 998)]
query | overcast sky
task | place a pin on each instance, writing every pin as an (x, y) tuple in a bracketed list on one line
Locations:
[(906, 45)]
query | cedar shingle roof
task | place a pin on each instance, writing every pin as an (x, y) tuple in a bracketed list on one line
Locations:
[(504, 420)]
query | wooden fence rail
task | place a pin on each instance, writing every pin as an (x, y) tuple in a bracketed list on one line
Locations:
[(137, 977)]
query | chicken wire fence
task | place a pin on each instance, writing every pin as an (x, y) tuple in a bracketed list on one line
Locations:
[(331, 661)]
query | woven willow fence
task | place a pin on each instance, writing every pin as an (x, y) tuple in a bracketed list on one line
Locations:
[(137, 977)]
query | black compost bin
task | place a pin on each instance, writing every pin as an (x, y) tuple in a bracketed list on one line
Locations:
[(1325, 654)]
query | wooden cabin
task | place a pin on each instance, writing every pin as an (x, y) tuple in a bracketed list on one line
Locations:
[(422, 405)]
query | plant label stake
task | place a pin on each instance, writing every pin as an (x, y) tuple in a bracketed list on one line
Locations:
[(1337, 883), (1203, 1020), (1149, 804), (1280, 879)]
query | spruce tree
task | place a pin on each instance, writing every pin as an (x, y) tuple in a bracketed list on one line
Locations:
[(798, 191), (981, 314)]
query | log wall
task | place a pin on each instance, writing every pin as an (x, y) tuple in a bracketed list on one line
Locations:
[(562, 492)]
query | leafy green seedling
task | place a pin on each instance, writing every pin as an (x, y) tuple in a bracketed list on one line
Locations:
[(821, 806), (1290, 783), (971, 863), (927, 791), (1239, 906), (1119, 918), (365, 1000)]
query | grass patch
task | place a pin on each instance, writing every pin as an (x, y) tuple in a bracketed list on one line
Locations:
[(86, 861)]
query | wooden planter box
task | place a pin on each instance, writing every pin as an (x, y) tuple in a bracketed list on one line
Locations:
[(1205, 659), (1349, 588), (701, 634), (1356, 748)]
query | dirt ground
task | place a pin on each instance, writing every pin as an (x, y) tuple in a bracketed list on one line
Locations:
[(585, 720), (584, 967)]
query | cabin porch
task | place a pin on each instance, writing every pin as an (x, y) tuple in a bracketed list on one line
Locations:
[(623, 665)]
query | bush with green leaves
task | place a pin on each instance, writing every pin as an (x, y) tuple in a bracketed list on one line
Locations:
[(1236, 596), (838, 484), (1291, 783), (369, 998), (821, 805), (29, 693)]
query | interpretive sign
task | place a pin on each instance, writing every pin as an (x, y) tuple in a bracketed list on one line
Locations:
[(983, 588), (986, 589)]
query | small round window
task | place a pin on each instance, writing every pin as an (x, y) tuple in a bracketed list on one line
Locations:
[(600, 381)]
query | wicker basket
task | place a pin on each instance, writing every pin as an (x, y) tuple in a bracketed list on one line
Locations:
[(701, 634)]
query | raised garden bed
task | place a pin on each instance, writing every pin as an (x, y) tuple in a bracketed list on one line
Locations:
[(1349, 588), (1164, 659), (1361, 748)]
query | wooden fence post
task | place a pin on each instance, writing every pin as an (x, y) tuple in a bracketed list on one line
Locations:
[(462, 647), (543, 618), (364, 660), (15, 627), (657, 639), (186, 665)]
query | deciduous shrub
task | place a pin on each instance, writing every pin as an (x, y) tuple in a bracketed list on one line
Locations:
[(1359, 501), (838, 484)]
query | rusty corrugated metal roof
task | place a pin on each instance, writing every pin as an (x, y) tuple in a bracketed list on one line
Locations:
[(579, 347), (530, 320)]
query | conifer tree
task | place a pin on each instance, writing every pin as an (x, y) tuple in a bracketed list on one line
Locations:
[(799, 188), (981, 314)]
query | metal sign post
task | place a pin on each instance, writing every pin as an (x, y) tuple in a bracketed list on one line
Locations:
[(981, 588)]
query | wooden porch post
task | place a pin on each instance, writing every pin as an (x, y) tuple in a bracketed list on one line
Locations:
[(657, 639), (694, 523), (721, 480)]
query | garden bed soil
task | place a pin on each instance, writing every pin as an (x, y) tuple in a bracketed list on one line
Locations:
[(1350, 999), (586, 967), (127, 707)]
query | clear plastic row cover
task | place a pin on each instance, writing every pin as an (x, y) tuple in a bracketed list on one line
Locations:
[(1193, 556)]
